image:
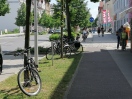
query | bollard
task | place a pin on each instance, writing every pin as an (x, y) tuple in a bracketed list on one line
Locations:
[(52, 52), (1, 33)]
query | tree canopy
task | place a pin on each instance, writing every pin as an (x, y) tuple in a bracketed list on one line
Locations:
[(46, 20), (21, 16), (79, 13), (4, 7)]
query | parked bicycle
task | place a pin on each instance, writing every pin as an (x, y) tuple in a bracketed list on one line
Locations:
[(74, 46), (28, 77), (57, 49)]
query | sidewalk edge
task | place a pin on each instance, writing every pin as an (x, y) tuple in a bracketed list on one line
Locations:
[(74, 75)]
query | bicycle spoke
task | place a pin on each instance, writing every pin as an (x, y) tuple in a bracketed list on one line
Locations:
[(30, 86)]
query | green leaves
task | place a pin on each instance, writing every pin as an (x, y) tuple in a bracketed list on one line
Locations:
[(79, 13), (46, 20), (4, 7), (21, 16)]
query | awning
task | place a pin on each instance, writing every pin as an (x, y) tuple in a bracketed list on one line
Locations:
[(123, 13)]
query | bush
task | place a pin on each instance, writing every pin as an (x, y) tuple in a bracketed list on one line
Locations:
[(41, 50), (57, 36), (54, 37)]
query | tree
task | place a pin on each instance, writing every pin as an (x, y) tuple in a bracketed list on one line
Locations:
[(4, 7), (79, 13), (46, 20), (21, 16), (95, 22)]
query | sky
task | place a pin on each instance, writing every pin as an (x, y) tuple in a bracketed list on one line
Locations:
[(93, 7)]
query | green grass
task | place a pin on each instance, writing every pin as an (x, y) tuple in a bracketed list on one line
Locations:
[(55, 79)]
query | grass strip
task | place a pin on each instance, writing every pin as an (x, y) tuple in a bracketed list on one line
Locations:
[(55, 79)]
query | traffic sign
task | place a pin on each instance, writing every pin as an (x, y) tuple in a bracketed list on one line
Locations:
[(91, 19)]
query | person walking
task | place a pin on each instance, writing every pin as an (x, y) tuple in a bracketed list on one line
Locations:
[(99, 31), (118, 39), (118, 34), (124, 38), (84, 34), (102, 30)]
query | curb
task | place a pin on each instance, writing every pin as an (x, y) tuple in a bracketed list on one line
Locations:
[(12, 35)]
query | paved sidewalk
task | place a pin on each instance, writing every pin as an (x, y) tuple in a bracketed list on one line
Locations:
[(103, 72), (12, 35)]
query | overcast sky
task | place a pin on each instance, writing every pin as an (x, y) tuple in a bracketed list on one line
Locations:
[(93, 7)]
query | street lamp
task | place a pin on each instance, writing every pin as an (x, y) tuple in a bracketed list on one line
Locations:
[(36, 32)]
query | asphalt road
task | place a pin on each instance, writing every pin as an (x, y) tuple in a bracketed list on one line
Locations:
[(12, 43)]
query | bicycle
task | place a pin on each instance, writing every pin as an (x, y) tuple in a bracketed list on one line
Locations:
[(28, 77), (57, 49), (74, 46)]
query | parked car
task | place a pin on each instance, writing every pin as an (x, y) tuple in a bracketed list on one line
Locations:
[(51, 31), (57, 31)]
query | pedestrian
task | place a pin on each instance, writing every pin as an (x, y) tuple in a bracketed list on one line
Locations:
[(120, 30), (124, 38), (102, 30), (118, 39), (98, 31), (84, 34), (78, 36)]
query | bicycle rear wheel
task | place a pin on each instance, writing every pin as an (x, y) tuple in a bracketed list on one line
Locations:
[(49, 54), (67, 51), (29, 81)]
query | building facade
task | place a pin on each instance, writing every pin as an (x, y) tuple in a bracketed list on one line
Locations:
[(119, 6), (8, 21), (100, 8)]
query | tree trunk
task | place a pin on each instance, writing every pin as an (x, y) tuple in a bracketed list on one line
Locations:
[(68, 19), (62, 22), (27, 33)]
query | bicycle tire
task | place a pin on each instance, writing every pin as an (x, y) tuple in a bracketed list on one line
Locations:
[(32, 85), (49, 53), (67, 51), (1, 63)]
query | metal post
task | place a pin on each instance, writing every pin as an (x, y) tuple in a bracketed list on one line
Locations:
[(36, 32), (52, 53), (62, 21)]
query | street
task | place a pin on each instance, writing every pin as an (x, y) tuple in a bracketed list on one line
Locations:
[(12, 43), (12, 64)]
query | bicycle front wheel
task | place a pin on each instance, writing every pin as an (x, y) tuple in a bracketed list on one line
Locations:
[(29, 81)]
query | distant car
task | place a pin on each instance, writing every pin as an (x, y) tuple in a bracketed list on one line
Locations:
[(51, 31), (57, 31)]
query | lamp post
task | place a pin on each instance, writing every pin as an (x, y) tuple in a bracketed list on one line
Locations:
[(36, 32)]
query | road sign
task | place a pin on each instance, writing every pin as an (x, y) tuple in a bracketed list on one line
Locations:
[(91, 19)]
